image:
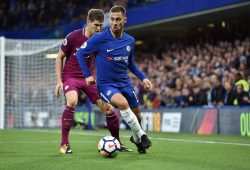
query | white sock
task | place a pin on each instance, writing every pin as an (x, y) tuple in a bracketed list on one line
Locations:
[(132, 121), (135, 137)]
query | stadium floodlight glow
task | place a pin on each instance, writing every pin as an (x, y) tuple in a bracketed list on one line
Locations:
[(138, 42), (211, 25), (223, 24), (51, 56)]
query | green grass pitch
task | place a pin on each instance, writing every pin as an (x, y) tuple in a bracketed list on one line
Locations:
[(39, 149)]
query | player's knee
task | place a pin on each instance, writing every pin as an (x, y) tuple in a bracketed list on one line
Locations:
[(71, 102), (123, 105)]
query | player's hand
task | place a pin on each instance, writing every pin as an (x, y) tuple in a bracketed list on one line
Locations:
[(59, 86), (90, 80), (147, 84)]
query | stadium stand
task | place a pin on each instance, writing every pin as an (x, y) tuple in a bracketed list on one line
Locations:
[(191, 75), (22, 14)]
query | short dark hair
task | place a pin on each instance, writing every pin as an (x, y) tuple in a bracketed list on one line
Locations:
[(118, 9), (95, 14)]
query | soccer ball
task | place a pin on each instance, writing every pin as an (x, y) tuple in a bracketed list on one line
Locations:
[(109, 147)]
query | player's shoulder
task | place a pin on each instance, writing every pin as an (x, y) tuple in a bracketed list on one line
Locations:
[(128, 36), (98, 36), (74, 33), (72, 37), (102, 34)]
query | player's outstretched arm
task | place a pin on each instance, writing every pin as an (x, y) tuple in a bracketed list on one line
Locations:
[(59, 68)]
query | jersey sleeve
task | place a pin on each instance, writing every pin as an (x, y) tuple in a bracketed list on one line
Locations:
[(67, 44), (89, 47), (134, 68)]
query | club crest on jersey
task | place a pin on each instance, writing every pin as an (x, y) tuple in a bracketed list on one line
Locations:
[(128, 48), (108, 92), (65, 42), (84, 45)]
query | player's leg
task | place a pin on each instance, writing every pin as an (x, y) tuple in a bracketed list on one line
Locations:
[(137, 112), (114, 96), (121, 102), (111, 118), (71, 91), (112, 122), (68, 120), (142, 142), (134, 138)]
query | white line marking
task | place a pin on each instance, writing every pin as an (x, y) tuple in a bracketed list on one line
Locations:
[(102, 134), (41, 142)]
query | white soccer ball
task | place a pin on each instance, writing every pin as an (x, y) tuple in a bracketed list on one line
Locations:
[(109, 147)]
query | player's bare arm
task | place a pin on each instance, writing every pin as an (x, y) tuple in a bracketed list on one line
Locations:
[(59, 68)]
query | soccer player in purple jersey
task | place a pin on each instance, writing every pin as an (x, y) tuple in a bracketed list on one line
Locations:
[(71, 80)]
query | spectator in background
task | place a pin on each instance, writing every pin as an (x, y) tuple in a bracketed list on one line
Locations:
[(218, 91), (168, 97), (200, 96), (207, 87), (187, 99), (229, 95), (240, 80), (241, 97)]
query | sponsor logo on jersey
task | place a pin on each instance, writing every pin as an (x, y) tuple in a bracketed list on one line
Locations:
[(65, 42), (84, 45), (121, 58)]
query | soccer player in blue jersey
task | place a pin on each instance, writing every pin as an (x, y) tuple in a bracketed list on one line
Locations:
[(114, 51), (71, 80)]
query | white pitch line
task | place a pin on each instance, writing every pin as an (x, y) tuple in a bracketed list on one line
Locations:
[(41, 142), (201, 141), (153, 138)]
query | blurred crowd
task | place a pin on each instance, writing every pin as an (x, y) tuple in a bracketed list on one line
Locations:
[(203, 74), (30, 14)]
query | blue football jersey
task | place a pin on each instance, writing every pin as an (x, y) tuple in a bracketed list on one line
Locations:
[(114, 58)]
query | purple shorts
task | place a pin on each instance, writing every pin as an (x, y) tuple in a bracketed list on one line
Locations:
[(77, 84)]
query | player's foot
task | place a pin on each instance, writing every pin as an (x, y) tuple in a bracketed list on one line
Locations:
[(140, 149), (146, 143), (65, 149), (125, 149)]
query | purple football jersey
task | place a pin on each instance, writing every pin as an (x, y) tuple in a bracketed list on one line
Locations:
[(70, 45)]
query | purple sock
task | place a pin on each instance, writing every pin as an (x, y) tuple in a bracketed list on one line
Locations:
[(113, 125), (67, 121)]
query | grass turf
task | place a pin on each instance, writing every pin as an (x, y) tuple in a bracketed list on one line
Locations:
[(39, 149)]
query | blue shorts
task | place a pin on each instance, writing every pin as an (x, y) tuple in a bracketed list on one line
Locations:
[(106, 93)]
